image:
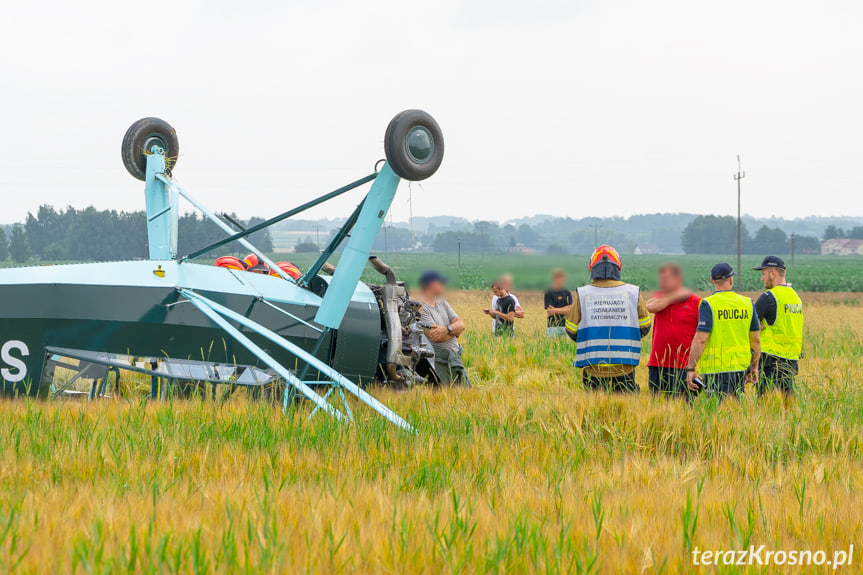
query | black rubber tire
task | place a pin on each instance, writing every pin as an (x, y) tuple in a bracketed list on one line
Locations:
[(140, 137), (400, 158)]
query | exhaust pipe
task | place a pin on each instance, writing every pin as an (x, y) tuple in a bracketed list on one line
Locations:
[(391, 294), (383, 269)]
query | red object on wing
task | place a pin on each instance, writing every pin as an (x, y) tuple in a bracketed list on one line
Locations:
[(230, 262), (289, 269)]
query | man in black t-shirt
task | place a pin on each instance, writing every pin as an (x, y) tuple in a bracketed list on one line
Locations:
[(558, 302)]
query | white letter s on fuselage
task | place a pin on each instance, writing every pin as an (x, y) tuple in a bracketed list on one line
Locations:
[(13, 362)]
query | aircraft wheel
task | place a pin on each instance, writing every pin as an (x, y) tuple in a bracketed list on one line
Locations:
[(139, 140), (414, 145)]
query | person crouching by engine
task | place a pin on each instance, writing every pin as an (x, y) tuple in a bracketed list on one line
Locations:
[(607, 321), (446, 327)]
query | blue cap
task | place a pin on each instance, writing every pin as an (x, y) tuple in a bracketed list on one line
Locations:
[(428, 277), (771, 262), (722, 271)]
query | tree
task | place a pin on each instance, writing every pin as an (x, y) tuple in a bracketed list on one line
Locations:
[(45, 228), (856, 233), (528, 236), (307, 246), (471, 242), (391, 239), (832, 232), (54, 253), (713, 235), (4, 246), (19, 247), (263, 240), (807, 244), (770, 241)]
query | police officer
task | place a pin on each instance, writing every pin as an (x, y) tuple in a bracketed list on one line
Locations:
[(726, 348), (607, 320), (781, 314)]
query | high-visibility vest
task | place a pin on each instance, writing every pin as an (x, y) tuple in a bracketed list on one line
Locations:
[(785, 337), (608, 332), (727, 347)]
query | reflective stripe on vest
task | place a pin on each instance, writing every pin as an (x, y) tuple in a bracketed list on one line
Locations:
[(785, 337), (608, 332), (727, 347)]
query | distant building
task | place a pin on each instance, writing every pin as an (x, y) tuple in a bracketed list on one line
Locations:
[(521, 249), (842, 247), (647, 250)]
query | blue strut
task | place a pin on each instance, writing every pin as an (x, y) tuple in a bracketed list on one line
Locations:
[(162, 213), (356, 254)]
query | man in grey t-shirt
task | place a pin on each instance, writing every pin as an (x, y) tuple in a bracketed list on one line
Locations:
[(446, 326)]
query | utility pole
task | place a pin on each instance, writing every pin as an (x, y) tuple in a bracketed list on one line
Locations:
[(792, 248), (481, 226), (596, 227), (737, 177), (459, 254), (318, 236)]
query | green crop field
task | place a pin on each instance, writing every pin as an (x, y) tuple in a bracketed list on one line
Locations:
[(531, 272), (524, 472), (809, 273)]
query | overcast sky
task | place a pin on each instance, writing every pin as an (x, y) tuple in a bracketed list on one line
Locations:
[(568, 107)]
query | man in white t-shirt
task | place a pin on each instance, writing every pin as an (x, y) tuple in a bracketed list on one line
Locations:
[(505, 282)]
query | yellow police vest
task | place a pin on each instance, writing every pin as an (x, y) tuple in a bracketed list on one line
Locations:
[(785, 337), (727, 347)]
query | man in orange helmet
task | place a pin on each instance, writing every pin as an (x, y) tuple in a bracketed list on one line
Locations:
[(255, 265), (607, 321)]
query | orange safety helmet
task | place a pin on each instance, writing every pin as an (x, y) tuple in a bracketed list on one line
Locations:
[(231, 263), (605, 253), (253, 264), (288, 268)]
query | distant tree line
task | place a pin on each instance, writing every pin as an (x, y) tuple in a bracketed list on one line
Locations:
[(718, 235), (94, 235), (490, 237), (645, 233), (833, 232), (703, 235)]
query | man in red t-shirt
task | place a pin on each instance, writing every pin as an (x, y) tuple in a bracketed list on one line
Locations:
[(674, 325)]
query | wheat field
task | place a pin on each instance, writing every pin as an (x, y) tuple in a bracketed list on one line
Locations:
[(522, 473)]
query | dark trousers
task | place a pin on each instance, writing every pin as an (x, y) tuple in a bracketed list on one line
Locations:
[(776, 373), (619, 384), (449, 368), (668, 382), (729, 383)]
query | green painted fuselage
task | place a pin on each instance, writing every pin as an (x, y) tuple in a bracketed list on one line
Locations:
[(133, 308)]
